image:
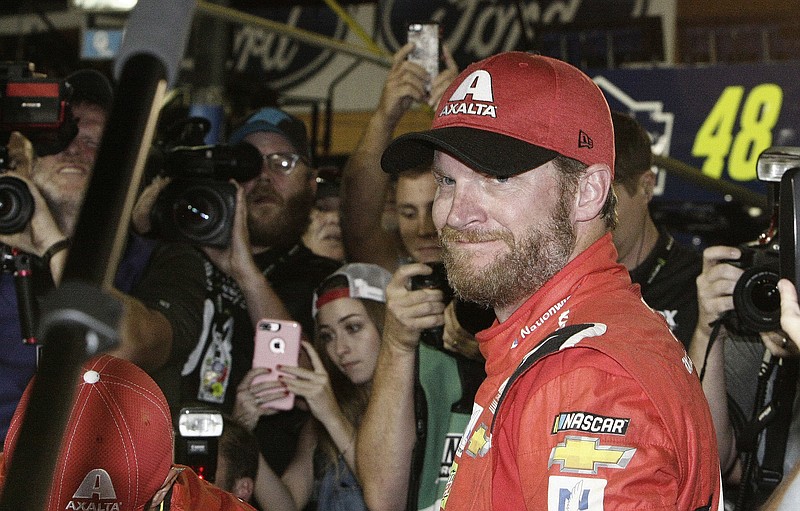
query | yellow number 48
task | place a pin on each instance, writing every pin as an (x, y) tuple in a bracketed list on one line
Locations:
[(715, 140)]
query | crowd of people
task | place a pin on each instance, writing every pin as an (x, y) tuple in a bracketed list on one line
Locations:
[(576, 356)]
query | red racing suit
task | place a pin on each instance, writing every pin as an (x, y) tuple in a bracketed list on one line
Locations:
[(190, 493), (605, 413)]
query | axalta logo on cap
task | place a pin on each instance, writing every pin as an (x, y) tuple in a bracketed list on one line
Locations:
[(96, 486), (478, 85)]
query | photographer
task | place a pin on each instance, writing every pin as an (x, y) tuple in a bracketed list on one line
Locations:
[(265, 271), (731, 384), (157, 319)]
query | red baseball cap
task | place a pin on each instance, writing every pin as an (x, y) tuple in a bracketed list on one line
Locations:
[(510, 113), (118, 443)]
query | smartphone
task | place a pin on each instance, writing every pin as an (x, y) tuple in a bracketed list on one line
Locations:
[(425, 37), (277, 342)]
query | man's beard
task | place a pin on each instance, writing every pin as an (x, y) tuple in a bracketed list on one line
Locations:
[(63, 207), (516, 275), (287, 225)]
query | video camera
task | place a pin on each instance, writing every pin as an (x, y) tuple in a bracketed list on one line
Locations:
[(199, 204), (756, 298), (38, 108)]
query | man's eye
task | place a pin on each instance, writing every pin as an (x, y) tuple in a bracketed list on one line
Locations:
[(443, 180), (502, 179)]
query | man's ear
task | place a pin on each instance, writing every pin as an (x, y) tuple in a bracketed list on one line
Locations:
[(161, 493), (593, 188), (243, 488), (648, 182)]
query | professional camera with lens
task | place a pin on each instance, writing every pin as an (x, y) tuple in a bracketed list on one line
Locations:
[(36, 107), (198, 205), (756, 299)]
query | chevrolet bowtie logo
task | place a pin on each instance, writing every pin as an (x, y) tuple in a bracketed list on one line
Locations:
[(479, 442), (585, 455)]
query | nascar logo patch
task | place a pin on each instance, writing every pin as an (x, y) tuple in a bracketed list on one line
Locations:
[(590, 423)]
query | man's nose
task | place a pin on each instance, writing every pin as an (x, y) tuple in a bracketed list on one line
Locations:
[(465, 208)]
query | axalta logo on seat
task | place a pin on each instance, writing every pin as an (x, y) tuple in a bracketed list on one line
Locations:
[(477, 85), (96, 485)]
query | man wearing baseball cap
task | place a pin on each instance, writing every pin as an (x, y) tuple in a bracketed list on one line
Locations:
[(118, 448), (589, 401), (163, 287)]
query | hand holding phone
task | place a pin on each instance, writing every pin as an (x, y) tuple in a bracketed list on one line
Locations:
[(277, 342)]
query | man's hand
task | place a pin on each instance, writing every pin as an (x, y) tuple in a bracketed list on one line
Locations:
[(790, 319), (404, 85), (237, 258), (443, 79), (715, 285), (140, 217), (42, 231), (408, 312)]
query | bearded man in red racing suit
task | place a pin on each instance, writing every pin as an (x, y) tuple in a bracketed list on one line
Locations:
[(590, 403), (609, 418)]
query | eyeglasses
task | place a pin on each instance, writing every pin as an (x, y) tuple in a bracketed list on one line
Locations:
[(283, 163)]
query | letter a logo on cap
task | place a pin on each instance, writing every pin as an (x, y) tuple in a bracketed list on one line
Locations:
[(477, 84), (97, 482)]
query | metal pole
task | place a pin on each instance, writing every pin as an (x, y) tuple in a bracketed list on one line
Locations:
[(299, 34)]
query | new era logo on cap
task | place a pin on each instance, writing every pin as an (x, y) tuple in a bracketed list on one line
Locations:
[(584, 140)]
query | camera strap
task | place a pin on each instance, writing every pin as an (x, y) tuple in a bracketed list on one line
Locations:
[(712, 338), (777, 434), (771, 421)]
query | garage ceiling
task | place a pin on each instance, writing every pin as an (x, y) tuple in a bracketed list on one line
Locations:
[(8, 7)]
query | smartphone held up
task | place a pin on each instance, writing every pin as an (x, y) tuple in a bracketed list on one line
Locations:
[(277, 343), (427, 48)]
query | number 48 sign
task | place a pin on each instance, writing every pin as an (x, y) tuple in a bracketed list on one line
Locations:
[(715, 118), (737, 129)]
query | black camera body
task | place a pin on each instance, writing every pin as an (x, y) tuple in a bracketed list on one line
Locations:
[(199, 204), (37, 107), (756, 301), (435, 280)]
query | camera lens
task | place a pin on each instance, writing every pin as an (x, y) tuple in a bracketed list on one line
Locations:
[(199, 213), (765, 296), (757, 301), (16, 205)]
